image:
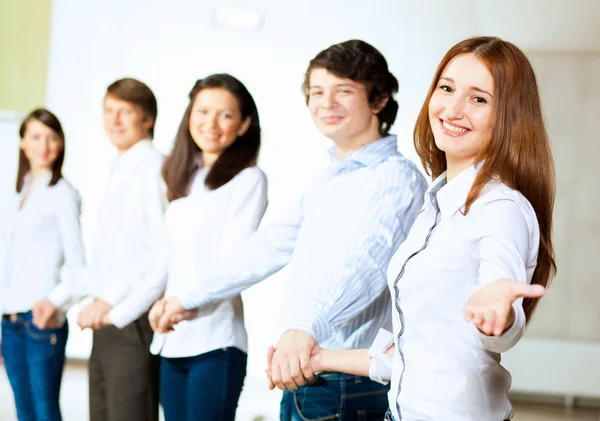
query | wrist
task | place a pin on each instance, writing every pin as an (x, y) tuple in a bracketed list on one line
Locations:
[(318, 361)]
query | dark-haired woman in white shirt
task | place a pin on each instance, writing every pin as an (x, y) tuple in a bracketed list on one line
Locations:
[(217, 198), (40, 251)]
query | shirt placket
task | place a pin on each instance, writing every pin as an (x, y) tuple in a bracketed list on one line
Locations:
[(433, 195)]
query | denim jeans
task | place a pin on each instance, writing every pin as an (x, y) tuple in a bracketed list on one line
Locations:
[(336, 396), (34, 361), (205, 387)]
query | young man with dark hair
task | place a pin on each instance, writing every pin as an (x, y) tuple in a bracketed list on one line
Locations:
[(337, 241), (123, 375)]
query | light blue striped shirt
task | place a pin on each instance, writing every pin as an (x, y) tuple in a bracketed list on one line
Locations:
[(337, 241)]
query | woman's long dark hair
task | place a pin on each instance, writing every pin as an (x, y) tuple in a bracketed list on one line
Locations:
[(179, 168), (51, 121)]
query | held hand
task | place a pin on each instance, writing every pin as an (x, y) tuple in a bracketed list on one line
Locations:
[(291, 360), (106, 321), (173, 313), (44, 314), (155, 313), (92, 316), (315, 362), (490, 308), (270, 353)]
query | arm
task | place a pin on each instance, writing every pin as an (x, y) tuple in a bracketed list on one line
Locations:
[(245, 213), (349, 272), (354, 271), (251, 261), (154, 203), (509, 234), (145, 293), (375, 362), (71, 287)]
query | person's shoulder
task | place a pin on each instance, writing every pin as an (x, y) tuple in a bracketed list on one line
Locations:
[(501, 203), (152, 161), (496, 193), (154, 157), (64, 194), (65, 189), (251, 176), (399, 169)]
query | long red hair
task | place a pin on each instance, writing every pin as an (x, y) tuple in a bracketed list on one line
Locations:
[(518, 149)]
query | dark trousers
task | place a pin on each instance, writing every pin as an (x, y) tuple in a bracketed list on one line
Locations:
[(336, 396), (123, 375), (34, 361), (205, 387)]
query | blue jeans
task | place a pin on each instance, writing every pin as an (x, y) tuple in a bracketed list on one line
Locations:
[(336, 396), (34, 361), (205, 387)]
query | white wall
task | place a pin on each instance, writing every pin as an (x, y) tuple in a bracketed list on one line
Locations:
[(171, 44)]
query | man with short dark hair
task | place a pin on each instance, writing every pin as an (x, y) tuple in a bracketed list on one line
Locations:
[(337, 241), (123, 374)]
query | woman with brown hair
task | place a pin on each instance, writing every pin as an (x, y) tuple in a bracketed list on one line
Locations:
[(39, 239), (217, 197), (469, 275)]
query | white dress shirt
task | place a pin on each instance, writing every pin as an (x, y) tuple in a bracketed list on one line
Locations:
[(337, 242), (199, 230), (129, 222), (37, 240), (445, 369)]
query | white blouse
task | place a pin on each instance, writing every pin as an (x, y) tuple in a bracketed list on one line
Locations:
[(445, 369), (36, 242), (199, 230)]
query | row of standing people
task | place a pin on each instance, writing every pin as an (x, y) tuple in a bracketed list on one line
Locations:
[(178, 236)]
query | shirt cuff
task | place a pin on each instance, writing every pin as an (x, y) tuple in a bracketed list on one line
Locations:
[(118, 317), (380, 369), (509, 338), (313, 322), (189, 302), (59, 296)]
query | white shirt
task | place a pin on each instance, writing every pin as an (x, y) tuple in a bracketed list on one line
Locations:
[(445, 369), (199, 230), (36, 242), (129, 222)]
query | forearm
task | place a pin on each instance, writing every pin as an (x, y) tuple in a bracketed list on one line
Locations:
[(354, 361)]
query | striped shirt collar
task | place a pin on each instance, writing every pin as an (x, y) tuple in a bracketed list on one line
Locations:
[(372, 154), (450, 196)]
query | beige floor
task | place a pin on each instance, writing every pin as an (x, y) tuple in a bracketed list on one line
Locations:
[(256, 403)]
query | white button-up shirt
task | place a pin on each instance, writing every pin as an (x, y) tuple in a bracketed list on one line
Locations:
[(129, 222), (199, 230), (445, 369), (37, 240)]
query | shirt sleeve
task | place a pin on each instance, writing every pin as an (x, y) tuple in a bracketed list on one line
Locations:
[(354, 272), (506, 244), (254, 258), (154, 200), (380, 369), (246, 210), (144, 293), (72, 286)]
